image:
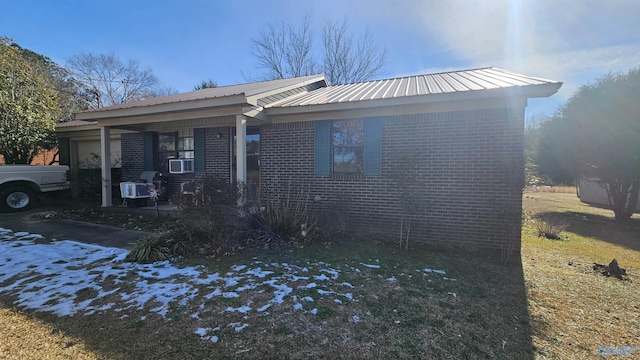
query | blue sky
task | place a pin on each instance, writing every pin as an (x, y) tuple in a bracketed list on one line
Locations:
[(187, 41)]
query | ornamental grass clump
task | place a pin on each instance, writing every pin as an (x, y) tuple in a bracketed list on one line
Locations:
[(160, 246), (550, 227), (286, 213)]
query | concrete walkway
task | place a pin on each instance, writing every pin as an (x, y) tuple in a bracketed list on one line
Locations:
[(71, 230)]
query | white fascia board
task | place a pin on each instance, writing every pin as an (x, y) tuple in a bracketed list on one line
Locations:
[(256, 112), (71, 129), (234, 100), (88, 132), (171, 116)]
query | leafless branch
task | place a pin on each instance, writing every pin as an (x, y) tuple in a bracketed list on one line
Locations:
[(284, 51), (346, 61), (109, 80)]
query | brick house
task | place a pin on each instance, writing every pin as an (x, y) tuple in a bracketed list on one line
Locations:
[(450, 144)]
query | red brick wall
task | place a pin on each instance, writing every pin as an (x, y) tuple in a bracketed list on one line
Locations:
[(468, 176), (132, 146), (217, 156), (44, 157), (217, 152)]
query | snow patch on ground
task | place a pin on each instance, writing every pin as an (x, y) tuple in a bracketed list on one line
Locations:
[(69, 278), (370, 266)]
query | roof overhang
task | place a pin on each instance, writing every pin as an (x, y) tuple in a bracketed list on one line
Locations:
[(86, 132), (104, 117), (192, 105), (512, 97)]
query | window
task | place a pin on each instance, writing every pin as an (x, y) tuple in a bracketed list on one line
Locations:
[(348, 147), (185, 147), (175, 145), (348, 144)]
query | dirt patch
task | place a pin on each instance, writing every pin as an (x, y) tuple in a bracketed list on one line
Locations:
[(611, 270)]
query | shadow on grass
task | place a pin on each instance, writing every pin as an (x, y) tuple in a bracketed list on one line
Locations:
[(482, 313), (622, 233)]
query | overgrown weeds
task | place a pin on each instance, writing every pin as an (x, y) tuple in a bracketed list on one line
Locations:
[(209, 191), (210, 224), (286, 212), (550, 227)]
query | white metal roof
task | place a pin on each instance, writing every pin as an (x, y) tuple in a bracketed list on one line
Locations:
[(310, 94), (254, 89), (440, 83)]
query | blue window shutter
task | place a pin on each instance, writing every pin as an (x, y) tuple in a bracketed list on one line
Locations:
[(322, 147), (198, 151), (373, 146), (148, 151)]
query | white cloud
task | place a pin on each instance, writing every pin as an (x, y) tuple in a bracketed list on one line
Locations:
[(570, 41)]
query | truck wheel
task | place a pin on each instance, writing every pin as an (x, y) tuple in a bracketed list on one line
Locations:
[(15, 199)]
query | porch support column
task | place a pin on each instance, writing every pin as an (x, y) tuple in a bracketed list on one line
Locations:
[(241, 155), (74, 165), (105, 165)]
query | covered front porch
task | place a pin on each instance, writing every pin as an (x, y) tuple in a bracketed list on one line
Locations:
[(209, 129), (219, 150)]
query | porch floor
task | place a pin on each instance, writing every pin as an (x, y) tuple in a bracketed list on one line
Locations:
[(164, 209)]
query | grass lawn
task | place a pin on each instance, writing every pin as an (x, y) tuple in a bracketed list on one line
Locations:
[(573, 310), (353, 298)]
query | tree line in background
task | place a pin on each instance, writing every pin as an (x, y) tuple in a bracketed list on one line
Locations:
[(36, 93), (596, 134)]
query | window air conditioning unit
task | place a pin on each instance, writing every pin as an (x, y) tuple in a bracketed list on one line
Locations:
[(132, 190), (180, 166)]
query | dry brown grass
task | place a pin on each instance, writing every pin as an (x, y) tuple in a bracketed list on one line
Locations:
[(563, 309), (480, 314), (25, 337), (574, 311), (552, 189)]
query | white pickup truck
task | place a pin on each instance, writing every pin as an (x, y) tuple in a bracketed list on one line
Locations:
[(20, 183)]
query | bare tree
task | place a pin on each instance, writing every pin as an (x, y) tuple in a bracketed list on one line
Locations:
[(108, 80), (346, 61), (284, 51)]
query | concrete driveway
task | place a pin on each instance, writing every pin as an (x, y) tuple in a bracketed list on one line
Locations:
[(71, 230)]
